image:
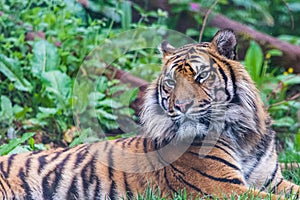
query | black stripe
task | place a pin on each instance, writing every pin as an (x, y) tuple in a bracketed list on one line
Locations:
[(195, 61), (192, 50), (42, 163), (202, 51), (80, 156), (177, 66), (191, 185), (35, 152), (59, 171), (217, 146), (50, 189), (226, 145), (23, 174), (137, 142), (88, 175), (105, 146), (110, 163), (97, 193), (3, 190), (261, 148), (273, 190), (168, 182), (2, 170), (206, 93), (130, 141), (224, 180), (181, 55), (73, 191), (177, 170), (156, 92), (235, 99), (288, 194), (189, 66), (57, 154), (145, 149), (226, 82), (270, 179), (9, 164), (229, 154), (120, 140), (112, 189), (217, 159), (194, 56), (165, 89), (129, 194)]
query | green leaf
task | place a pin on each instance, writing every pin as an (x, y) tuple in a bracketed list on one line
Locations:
[(12, 70), (126, 14), (79, 140), (275, 52), (59, 84), (20, 149), (106, 115), (292, 80), (6, 148), (284, 122), (294, 7), (45, 58), (254, 61), (31, 143), (110, 103), (49, 111), (80, 97), (6, 113)]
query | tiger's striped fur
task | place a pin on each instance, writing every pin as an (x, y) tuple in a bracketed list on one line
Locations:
[(206, 130)]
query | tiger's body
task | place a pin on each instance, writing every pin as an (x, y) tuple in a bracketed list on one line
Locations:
[(206, 131)]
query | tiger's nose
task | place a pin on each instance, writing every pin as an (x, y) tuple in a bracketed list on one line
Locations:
[(184, 105)]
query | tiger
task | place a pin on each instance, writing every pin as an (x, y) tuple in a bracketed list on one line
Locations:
[(205, 131)]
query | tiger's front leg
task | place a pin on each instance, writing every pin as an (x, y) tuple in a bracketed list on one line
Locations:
[(287, 188), (241, 191)]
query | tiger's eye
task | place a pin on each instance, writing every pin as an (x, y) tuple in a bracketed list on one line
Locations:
[(170, 83), (202, 77)]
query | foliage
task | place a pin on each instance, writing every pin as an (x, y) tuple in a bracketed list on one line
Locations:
[(284, 108), (42, 46), (270, 16), (43, 42)]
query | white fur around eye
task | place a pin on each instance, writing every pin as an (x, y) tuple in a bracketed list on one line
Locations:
[(202, 76), (170, 82)]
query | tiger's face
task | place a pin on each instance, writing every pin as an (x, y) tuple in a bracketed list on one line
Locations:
[(197, 90), (192, 90)]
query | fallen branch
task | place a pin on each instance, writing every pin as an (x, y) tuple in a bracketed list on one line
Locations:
[(133, 81), (291, 53)]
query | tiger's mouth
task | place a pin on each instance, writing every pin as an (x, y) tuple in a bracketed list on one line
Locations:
[(192, 120)]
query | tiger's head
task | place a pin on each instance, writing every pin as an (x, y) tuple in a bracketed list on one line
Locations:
[(202, 88)]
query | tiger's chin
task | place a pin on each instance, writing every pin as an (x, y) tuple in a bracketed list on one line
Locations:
[(190, 129), (161, 128)]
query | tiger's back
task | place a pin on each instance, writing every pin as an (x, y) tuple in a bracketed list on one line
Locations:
[(205, 130)]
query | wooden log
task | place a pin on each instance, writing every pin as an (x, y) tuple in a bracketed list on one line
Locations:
[(291, 53)]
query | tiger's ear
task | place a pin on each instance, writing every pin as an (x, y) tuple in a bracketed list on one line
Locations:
[(166, 49), (225, 42)]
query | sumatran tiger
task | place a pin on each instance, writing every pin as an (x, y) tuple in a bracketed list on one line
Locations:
[(206, 131)]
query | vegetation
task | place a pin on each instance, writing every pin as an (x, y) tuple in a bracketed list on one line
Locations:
[(45, 44)]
